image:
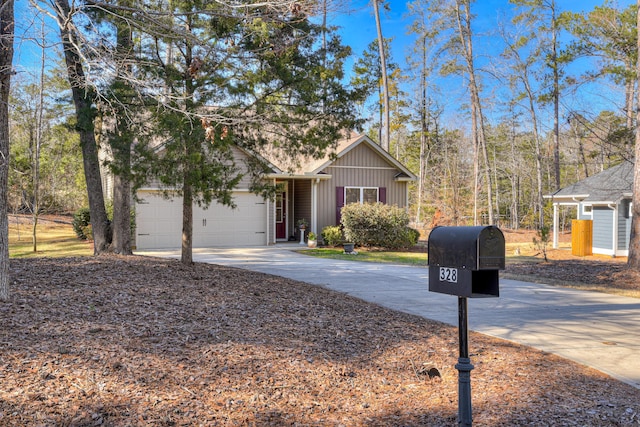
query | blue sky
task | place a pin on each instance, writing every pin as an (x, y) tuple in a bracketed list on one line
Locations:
[(358, 29)]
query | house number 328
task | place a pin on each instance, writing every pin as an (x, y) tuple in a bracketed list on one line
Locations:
[(448, 274)]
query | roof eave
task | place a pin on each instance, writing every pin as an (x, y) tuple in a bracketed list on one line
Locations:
[(320, 176), (569, 197)]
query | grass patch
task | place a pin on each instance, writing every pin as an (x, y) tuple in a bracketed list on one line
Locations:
[(395, 257), (364, 255), (53, 240)]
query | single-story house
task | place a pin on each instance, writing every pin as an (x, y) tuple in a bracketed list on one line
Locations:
[(360, 171), (605, 199)]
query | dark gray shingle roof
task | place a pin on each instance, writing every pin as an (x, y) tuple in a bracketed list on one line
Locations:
[(610, 185)]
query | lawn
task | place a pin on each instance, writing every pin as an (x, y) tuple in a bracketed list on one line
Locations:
[(418, 258), (54, 236)]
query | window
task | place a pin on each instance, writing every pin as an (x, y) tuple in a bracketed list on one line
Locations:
[(360, 195), (587, 210)]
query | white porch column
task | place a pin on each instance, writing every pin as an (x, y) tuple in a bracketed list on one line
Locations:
[(314, 205), (555, 226)]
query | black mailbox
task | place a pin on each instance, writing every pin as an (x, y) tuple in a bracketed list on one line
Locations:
[(464, 261)]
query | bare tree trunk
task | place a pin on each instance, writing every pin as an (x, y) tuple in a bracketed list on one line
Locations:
[(187, 187), (538, 148), (121, 215), (629, 96), (423, 134), (385, 141), (85, 114), (121, 227), (6, 70), (633, 261), (556, 96), (35, 205), (464, 30), (187, 225)]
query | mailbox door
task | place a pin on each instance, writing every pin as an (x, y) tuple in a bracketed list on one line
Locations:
[(449, 280), (464, 282)]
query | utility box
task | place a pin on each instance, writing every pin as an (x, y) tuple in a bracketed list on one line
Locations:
[(465, 261)]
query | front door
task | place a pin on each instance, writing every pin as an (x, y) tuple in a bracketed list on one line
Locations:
[(281, 215)]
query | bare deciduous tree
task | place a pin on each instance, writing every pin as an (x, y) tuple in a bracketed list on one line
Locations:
[(634, 244), (386, 135), (6, 70)]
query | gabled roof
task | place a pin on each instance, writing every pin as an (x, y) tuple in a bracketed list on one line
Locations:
[(309, 166), (349, 144), (608, 186)]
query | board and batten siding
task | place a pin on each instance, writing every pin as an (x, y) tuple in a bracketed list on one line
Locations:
[(302, 195), (360, 167)]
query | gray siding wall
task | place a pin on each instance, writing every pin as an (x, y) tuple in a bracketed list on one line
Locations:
[(624, 225), (603, 227), (360, 167)]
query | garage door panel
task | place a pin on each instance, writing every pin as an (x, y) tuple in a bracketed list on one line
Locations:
[(159, 223), (223, 226), (156, 225)]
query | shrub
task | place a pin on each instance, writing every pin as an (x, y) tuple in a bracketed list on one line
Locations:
[(82, 223), (378, 225), (541, 240), (414, 236), (331, 235)]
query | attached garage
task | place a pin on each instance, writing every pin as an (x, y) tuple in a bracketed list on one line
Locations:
[(159, 222)]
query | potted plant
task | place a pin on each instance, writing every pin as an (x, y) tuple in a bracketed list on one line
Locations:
[(312, 242), (349, 248)]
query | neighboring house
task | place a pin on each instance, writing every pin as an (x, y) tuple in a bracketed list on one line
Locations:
[(604, 198), (360, 171)]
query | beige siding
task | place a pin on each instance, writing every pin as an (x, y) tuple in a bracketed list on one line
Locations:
[(361, 167), (240, 159)]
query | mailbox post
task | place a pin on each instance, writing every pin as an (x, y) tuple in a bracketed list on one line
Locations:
[(465, 261)]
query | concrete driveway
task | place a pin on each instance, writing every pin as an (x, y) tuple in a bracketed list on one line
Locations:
[(598, 330)]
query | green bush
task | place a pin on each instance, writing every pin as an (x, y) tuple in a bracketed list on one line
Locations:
[(331, 235), (378, 225), (414, 236), (82, 223)]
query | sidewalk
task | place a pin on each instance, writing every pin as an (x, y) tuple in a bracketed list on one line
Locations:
[(598, 330)]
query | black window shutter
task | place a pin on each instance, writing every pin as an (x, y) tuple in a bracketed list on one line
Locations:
[(382, 195)]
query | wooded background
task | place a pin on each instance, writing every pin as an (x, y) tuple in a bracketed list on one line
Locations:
[(545, 98), (531, 124)]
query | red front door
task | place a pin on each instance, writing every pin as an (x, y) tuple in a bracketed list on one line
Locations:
[(281, 215)]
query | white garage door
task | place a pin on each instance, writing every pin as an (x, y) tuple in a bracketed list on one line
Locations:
[(159, 222)]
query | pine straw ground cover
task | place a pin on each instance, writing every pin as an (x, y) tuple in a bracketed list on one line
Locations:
[(135, 341)]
